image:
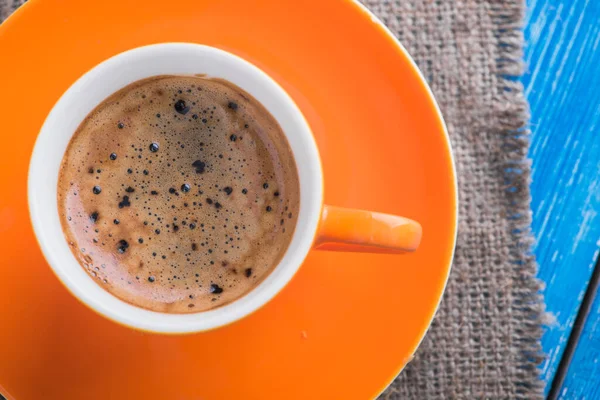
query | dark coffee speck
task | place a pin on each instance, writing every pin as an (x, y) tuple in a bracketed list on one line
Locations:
[(122, 246), (199, 165), (181, 107), (216, 289), (125, 202)]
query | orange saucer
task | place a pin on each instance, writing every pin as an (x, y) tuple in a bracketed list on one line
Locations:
[(347, 323)]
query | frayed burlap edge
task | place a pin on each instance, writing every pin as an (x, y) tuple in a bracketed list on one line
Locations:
[(513, 118)]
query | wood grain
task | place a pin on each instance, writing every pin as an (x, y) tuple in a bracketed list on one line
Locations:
[(582, 380), (578, 373), (562, 86)]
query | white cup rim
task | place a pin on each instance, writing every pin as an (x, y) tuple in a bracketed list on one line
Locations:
[(105, 79)]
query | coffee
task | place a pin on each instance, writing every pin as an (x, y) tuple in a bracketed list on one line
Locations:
[(179, 194)]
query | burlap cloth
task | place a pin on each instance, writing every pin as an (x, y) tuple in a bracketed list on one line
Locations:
[(484, 342)]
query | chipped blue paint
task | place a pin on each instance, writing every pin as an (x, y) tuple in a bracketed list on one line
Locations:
[(562, 84)]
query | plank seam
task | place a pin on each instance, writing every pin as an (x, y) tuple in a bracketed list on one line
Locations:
[(576, 332)]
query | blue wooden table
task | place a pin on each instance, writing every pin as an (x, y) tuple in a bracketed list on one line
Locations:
[(562, 83)]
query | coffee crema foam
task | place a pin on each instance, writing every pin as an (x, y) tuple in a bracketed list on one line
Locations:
[(179, 194)]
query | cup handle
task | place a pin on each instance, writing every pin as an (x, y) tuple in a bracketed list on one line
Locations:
[(345, 229)]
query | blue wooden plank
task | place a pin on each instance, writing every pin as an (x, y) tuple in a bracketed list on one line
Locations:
[(582, 380), (562, 84)]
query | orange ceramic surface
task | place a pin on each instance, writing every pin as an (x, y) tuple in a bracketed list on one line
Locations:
[(348, 322), (347, 229)]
